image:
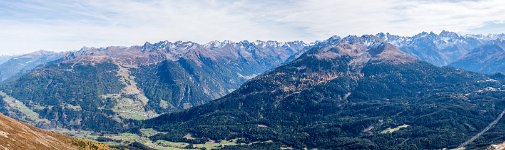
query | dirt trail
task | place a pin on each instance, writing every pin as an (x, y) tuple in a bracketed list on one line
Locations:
[(483, 131)]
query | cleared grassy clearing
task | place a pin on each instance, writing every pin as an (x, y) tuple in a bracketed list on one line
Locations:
[(391, 130)]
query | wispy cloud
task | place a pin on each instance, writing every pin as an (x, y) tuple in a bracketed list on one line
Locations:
[(28, 25)]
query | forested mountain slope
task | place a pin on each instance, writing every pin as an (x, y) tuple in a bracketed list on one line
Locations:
[(102, 88), (349, 93)]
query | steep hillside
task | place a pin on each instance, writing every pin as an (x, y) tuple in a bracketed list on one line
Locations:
[(349, 93), (17, 135), (17, 65), (103, 88)]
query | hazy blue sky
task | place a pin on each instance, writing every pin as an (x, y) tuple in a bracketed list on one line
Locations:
[(29, 25)]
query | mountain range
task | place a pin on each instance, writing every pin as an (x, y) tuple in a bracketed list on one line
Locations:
[(349, 93), (378, 91), (116, 84)]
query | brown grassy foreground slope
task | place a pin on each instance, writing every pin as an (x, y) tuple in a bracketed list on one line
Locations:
[(17, 135)]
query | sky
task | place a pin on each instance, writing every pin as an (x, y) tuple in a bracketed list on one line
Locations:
[(65, 25)]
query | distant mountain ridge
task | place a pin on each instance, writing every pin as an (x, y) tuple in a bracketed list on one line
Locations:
[(470, 52), (17, 65), (489, 58), (4, 58), (439, 49)]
